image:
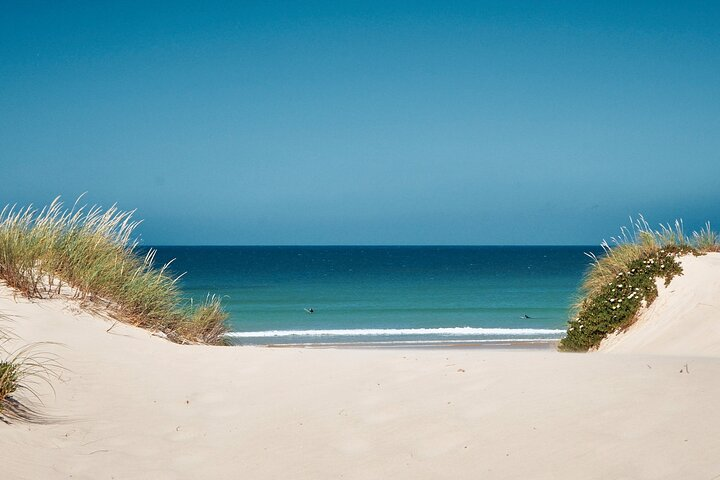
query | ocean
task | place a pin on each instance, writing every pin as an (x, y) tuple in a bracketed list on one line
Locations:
[(385, 295)]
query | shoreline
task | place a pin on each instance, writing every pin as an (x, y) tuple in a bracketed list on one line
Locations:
[(483, 344)]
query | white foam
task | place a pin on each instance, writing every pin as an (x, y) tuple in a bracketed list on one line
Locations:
[(399, 343), (365, 332)]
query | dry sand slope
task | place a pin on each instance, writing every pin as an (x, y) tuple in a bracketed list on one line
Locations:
[(131, 405), (684, 319)]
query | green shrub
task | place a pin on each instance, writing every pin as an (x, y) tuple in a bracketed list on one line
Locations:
[(620, 281), (615, 305)]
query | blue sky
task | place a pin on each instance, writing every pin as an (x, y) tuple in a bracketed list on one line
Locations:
[(363, 122)]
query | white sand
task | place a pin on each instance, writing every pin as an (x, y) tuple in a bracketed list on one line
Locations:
[(131, 405)]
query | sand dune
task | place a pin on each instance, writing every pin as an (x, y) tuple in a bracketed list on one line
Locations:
[(683, 320), (131, 405)]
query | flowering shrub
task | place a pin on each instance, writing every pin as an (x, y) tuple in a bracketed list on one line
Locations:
[(615, 306)]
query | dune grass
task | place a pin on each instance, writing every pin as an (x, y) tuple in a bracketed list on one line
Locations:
[(23, 368), (91, 254), (9, 378), (9, 373), (621, 281)]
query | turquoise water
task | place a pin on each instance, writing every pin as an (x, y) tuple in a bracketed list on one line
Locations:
[(385, 294)]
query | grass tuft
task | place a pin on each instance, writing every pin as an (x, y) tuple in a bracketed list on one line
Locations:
[(706, 240), (9, 379), (91, 253), (622, 280), (24, 369)]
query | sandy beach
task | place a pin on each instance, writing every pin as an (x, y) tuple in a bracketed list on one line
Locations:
[(129, 404), (359, 240)]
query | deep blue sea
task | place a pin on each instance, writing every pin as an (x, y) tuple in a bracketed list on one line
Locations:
[(385, 294)]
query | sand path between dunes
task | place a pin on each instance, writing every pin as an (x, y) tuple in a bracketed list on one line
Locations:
[(134, 406)]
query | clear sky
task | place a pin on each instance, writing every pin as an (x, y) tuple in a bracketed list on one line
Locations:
[(365, 123)]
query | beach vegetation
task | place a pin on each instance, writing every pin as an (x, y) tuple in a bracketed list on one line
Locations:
[(9, 377), (8, 374), (623, 280), (706, 240), (23, 369), (92, 255)]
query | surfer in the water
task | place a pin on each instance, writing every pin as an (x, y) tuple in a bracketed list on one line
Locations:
[(309, 310), (526, 316)]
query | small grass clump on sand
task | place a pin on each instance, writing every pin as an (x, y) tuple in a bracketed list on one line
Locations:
[(8, 374), (9, 377), (23, 369), (706, 240), (93, 252), (622, 281)]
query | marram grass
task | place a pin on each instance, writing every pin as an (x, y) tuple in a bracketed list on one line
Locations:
[(622, 281), (9, 373), (91, 253), (8, 379), (24, 369)]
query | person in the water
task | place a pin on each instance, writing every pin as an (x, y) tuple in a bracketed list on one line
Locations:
[(309, 310), (526, 316)]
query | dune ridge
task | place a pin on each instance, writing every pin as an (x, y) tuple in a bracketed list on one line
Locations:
[(685, 317)]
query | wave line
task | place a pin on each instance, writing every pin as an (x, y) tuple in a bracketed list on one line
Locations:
[(452, 331)]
